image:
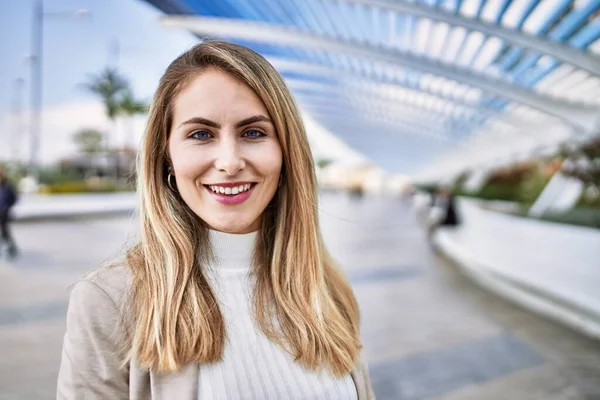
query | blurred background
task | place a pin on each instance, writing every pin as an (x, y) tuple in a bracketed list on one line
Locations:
[(457, 145)]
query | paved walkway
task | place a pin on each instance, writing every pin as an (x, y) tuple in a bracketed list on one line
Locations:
[(428, 332), (38, 207)]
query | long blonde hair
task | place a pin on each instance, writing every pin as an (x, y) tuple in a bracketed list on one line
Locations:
[(301, 300)]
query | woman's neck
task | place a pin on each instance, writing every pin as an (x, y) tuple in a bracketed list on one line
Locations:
[(232, 250)]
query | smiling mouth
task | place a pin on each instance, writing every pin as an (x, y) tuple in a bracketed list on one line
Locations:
[(230, 190), (231, 195)]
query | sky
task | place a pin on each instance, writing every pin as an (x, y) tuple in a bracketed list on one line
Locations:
[(77, 48)]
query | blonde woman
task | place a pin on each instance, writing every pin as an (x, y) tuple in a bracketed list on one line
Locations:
[(230, 293)]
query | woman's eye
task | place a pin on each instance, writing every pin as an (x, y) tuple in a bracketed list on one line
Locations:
[(201, 135), (253, 134)]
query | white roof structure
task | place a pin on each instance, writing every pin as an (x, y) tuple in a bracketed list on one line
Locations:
[(426, 87)]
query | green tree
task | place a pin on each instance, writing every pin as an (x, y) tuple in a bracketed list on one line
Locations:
[(130, 107), (110, 86), (323, 162), (584, 162), (88, 140)]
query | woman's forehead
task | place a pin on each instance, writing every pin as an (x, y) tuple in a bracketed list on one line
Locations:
[(214, 93)]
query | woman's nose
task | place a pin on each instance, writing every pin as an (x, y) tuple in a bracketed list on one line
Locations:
[(229, 158)]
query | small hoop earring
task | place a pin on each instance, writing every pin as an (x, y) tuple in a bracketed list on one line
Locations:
[(170, 182)]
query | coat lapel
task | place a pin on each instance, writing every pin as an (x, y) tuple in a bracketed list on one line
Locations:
[(360, 376), (182, 385), (359, 384)]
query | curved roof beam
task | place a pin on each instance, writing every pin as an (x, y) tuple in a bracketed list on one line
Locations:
[(394, 130), (335, 122), (565, 53), (394, 135), (457, 113), (369, 95), (369, 114), (372, 116), (284, 65), (452, 130), (582, 118)]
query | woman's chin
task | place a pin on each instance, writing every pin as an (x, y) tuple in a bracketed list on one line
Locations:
[(234, 227)]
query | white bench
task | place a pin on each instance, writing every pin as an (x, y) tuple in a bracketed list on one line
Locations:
[(553, 269)]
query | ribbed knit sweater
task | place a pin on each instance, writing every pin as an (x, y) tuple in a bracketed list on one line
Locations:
[(253, 367)]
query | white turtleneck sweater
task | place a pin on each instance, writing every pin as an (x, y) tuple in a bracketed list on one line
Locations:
[(253, 367)]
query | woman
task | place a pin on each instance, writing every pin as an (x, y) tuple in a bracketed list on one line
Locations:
[(230, 293)]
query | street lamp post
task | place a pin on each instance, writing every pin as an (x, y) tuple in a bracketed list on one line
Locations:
[(36, 85), (37, 48), (17, 126)]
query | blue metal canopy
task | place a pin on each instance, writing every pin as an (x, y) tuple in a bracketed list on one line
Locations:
[(458, 82)]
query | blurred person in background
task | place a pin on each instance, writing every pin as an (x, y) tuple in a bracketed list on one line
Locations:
[(443, 211), (8, 198), (446, 200), (230, 292)]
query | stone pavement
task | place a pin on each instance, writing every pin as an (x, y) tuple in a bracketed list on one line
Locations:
[(429, 333)]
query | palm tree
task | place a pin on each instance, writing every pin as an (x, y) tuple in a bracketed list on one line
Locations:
[(130, 106), (109, 85)]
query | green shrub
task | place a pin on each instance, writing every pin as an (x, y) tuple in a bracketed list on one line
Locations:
[(531, 187), (323, 162), (579, 216), (426, 187), (57, 174), (65, 187), (494, 191), (526, 192), (85, 187), (582, 216), (590, 198)]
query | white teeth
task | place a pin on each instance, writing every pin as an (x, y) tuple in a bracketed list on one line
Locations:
[(229, 190)]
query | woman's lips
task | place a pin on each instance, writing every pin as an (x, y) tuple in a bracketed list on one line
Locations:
[(232, 199)]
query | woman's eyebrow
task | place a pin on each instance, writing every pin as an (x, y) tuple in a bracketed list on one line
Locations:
[(199, 120), (251, 120), (207, 122)]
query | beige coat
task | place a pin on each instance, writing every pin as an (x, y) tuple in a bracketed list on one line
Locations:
[(90, 367)]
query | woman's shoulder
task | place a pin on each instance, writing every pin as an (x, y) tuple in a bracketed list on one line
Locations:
[(107, 282), (98, 303)]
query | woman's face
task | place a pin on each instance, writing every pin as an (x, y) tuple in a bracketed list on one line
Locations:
[(225, 152)]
